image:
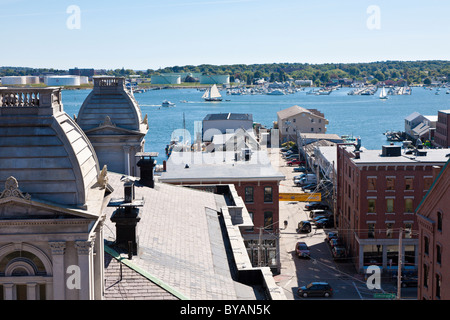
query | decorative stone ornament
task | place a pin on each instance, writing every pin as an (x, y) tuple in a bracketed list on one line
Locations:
[(12, 190)]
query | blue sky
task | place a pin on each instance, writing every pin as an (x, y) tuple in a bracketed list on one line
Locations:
[(152, 34)]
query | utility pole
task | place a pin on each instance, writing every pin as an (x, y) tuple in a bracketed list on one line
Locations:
[(260, 247), (399, 270)]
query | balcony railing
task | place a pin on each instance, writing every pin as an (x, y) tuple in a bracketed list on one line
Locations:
[(30, 97)]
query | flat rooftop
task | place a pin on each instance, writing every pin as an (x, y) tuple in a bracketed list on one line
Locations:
[(376, 157), (218, 166), (228, 116)]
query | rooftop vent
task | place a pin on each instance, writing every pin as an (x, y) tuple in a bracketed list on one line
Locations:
[(126, 218), (391, 151), (147, 165)]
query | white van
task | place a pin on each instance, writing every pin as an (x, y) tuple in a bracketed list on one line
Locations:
[(307, 179)]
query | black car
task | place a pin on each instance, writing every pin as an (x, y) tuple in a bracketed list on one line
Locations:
[(325, 223), (316, 205), (318, 289), (304, 226), (409, 281)]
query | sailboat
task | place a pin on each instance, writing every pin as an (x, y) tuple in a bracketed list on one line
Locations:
[(383, 94), (212, 94)]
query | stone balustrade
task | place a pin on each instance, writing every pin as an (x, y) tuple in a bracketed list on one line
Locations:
[(30, 97)]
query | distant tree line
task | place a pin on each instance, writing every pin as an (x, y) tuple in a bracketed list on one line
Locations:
[(411, 71)]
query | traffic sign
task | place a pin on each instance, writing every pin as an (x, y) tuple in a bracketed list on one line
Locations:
[(303, 197)]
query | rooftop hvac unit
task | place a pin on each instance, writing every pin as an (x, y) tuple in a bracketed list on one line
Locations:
[(391, 151)]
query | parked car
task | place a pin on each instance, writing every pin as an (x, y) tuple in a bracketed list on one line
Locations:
[(295, 162), (302, 250), (331, 235), (298, 177), (321, 289), (336, 242), (317, 218), (316, 205), (300, 169), (310, 186), (409, 281), (293, 155), (288, 152), (318, 212), (325, 223), (338, 252), (304, 226)]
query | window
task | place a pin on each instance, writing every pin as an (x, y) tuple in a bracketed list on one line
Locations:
[(268, 197), (425, 275), (372, 184), (390, 183), (427, 182), (439, 221), (438, 254), (409, 205), (389, 205), (248, 194), (268, 220), (312, 129), (251, 216), (371, 206), (426, 244), (371, 230), (438, 286), (408, 230), (389, 230), (409, 184)]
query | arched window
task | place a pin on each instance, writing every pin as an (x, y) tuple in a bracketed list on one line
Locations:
[(25, 273)]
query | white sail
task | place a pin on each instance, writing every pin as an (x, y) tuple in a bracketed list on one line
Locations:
[(206, 94), (212, 94), (383, 94)]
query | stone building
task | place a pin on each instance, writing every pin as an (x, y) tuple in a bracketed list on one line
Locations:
[(52, 194), (297, 119), (111, 118)]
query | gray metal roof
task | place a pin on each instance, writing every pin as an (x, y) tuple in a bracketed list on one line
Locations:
[(180, 241), (228, 116)]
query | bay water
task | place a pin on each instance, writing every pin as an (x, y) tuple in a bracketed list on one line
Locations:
[(367, 117)]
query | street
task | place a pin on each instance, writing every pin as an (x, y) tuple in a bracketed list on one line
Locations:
[(296, 272)]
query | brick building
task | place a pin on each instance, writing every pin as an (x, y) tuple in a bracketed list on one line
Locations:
[(434, 239), (442, 134), (377, 193)]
